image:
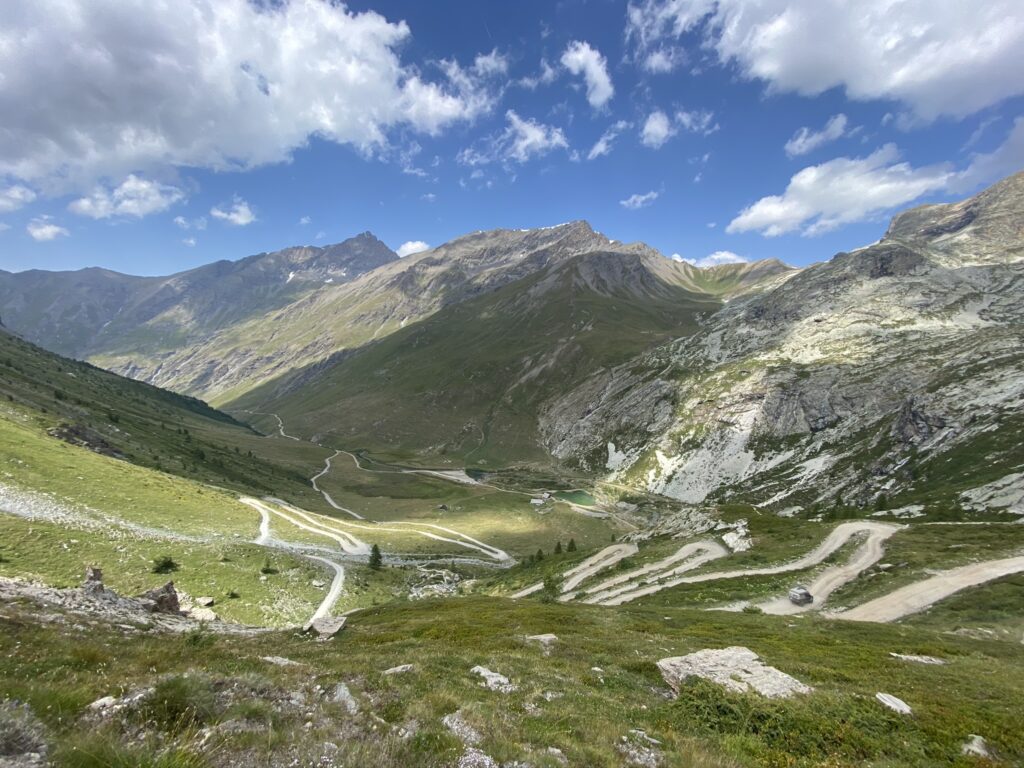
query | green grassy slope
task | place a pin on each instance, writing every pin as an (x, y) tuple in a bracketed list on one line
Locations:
[(144, 425), (466, 384), (598, 683)]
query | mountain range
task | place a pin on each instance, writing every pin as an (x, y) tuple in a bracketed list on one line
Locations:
[(857, 378)]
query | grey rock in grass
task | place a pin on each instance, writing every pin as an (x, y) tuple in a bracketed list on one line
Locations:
[(546, 642), (401, 669), (202, 614), (281, 661), (342, 695), (917, 659), (474, 758), (163, 599), (465, 732), (736, 668), (494, 681), (205, 602), (327, 627), (976, 746), (895, 704)]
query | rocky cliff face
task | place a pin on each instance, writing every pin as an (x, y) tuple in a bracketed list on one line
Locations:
[(886, 371)]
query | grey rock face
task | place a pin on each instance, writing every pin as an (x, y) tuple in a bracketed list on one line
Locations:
[(832, 378)]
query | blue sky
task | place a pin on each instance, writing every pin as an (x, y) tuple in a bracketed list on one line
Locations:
[(150, 137)]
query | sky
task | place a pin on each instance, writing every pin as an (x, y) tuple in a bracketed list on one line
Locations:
[(151, 136)]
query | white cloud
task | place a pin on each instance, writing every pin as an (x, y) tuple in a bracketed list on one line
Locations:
[(42, 228), (135, 196), (320, 235), (712, 260), (663, 60), (697, 121), (134, 86), (411, 247), (633, 202), (14, 197), (189, 242), (657, 130), (822, 197), (807, 140), (429, 197), (580, 59), (519, 142), (603, 145), (305, 220), (488, 64), (4, 226), (183, 223), (239, 214), (659, 127), (546, 76), (937, 57)]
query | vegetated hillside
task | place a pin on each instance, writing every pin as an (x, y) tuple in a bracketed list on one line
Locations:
[(890, 375), (468, 381), (83, 405), (132, 323), (594, 699), (334, 318)]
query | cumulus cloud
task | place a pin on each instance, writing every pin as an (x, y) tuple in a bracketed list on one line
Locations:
[(581, 59), (305, 220), (937, 57), (411, 247), (4, 226), (239, 214), (657, 130), (822, 197), (603, 145), (100, 89), (135, 196), (189, 242), (14, 197), (519, 142), (42, 229), (633, 202), (807, 140), (659, 127), (712, 259)]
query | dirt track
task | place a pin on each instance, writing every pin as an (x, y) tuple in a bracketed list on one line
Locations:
[(918, 596)]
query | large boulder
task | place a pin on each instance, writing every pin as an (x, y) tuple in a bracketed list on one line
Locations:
[(162, 599), (325, 628), (736, 669)]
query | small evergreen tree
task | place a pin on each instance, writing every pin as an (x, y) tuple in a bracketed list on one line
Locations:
[(376, 560), (558, 547), (549, 592), (572, 546), (540, 555)]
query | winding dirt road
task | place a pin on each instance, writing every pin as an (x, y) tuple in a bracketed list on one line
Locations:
[(869, 553), (630, 586), (918, 596), (606, 558), (266, 539)]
